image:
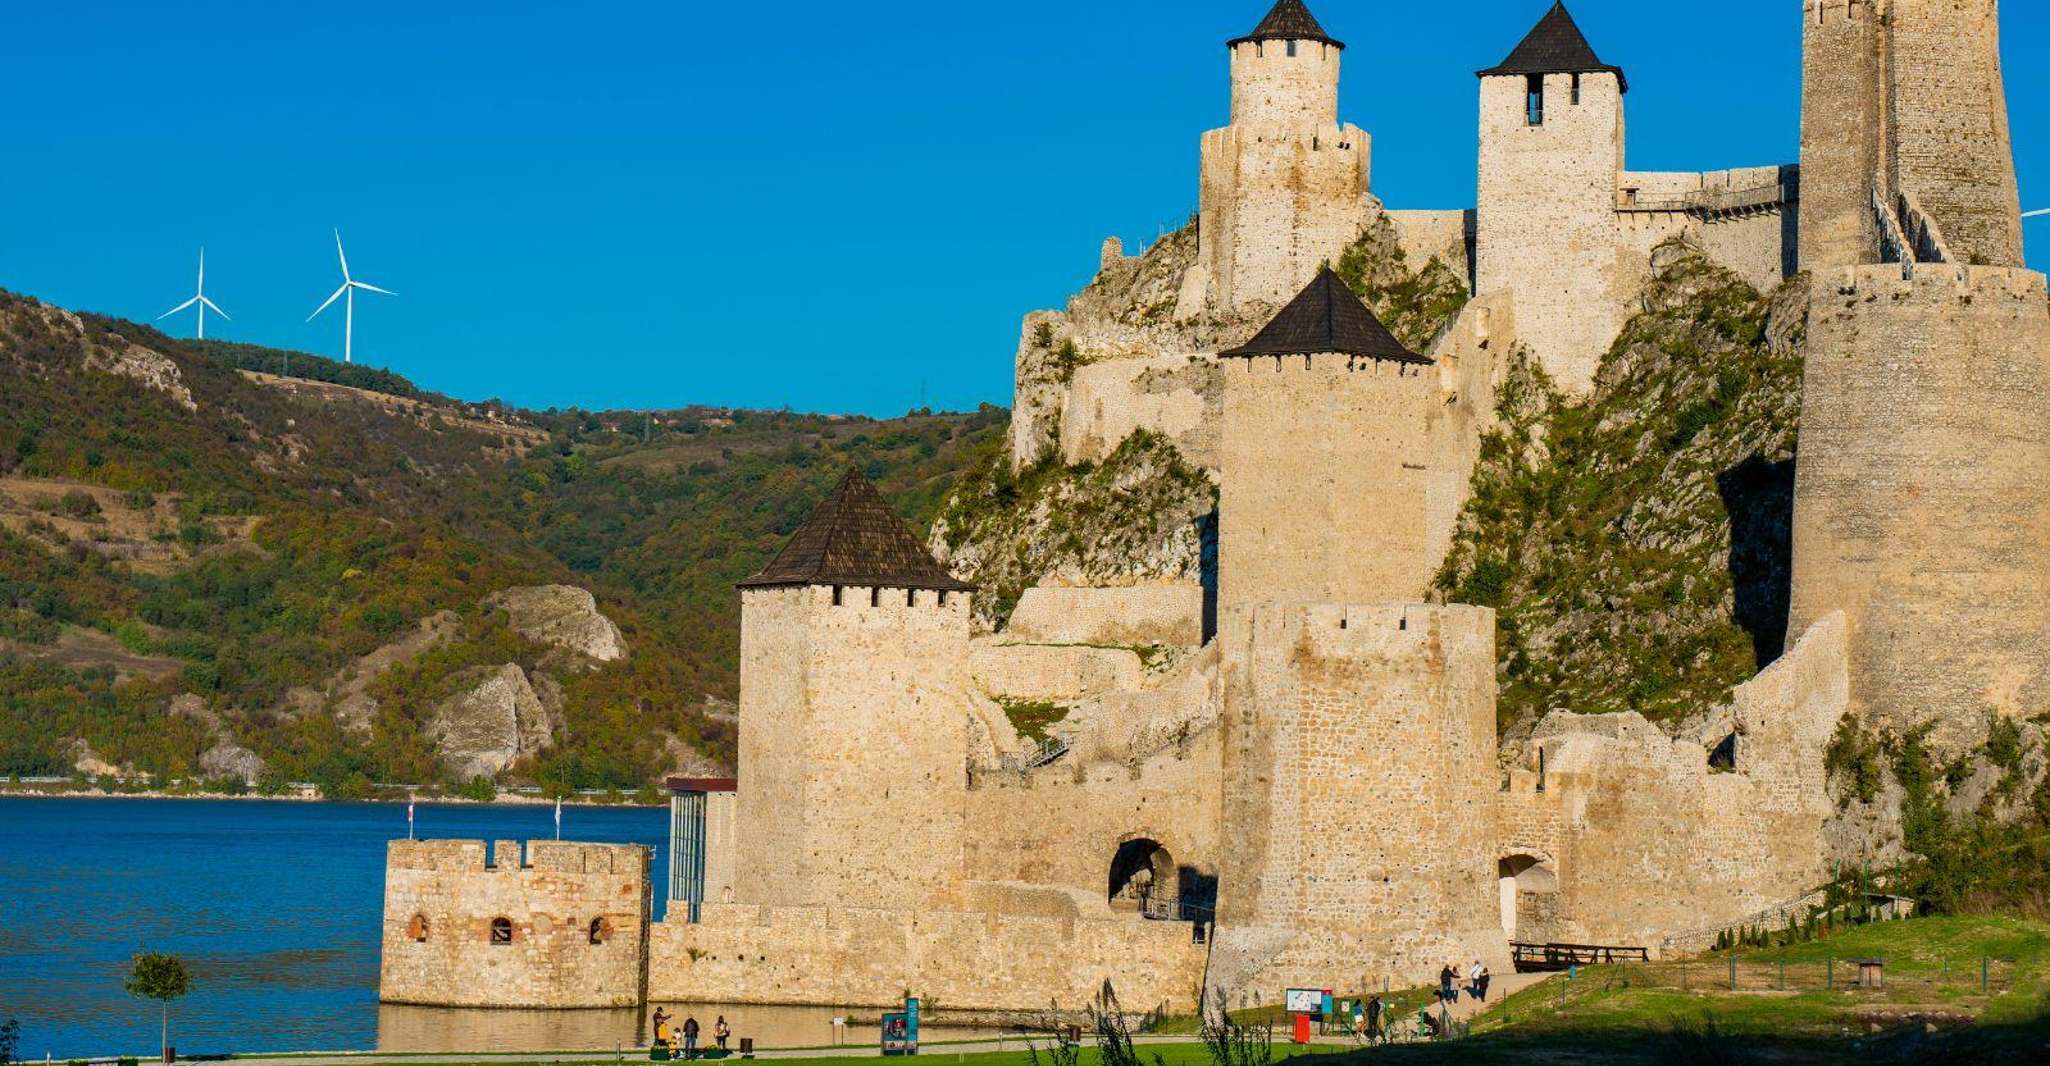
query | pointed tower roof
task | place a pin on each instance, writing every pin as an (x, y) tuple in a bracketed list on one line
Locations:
[(853, 538), (1556, 46), (1327, 317), (1289, 21)]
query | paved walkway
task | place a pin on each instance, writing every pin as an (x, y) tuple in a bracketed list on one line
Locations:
[(1500, 987), (637, 1055)]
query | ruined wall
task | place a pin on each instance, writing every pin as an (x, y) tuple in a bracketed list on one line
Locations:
[(1470, 355), (1648, 840), (1546, 217), (1919, 508), (963, 960), (853, 723), (1016, 670), (1325, 462), (1359, 770), (1173, 395), (1948, 111), (1137, 614), (441, 898)]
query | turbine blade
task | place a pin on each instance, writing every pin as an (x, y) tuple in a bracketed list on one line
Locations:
[(341, 255), (214, 307), (372, 288), (181, 307), (328, 302), (2033, 214), (202, 269)]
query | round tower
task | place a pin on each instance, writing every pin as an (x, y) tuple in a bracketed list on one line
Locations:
[(1285, 72)]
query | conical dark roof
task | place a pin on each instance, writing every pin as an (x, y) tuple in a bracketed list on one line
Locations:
[(1556, 46), (1289, 21), (1327, 317), (853, 538)]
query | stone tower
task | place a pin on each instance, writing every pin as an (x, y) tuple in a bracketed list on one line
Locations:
[(853, 724), (1285, 186), (1551, 151), (1919, 504), (1324, 459), (1904, 99)]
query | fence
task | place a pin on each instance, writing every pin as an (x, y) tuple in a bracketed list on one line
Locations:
[(1906, 976)]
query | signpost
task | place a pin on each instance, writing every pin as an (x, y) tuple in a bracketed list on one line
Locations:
[(900, 1029)]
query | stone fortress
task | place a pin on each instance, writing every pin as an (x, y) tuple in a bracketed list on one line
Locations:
[(1291, 775)]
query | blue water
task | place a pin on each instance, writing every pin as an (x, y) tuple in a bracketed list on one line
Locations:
[(276, 906)]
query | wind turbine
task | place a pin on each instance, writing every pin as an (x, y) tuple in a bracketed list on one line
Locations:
[(200, 300), (347, 294), (2033, 214)]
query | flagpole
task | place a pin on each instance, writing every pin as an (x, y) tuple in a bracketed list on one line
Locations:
[(558, 817), (409, 816)]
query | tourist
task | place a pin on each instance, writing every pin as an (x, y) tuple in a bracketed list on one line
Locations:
[(720, 1032), (1473, 980), (1374, 1017), (661, 1028), (1482, 984), (690, 1037), (1446, 976)]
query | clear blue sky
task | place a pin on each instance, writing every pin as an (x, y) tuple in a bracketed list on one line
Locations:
[(820, 205)]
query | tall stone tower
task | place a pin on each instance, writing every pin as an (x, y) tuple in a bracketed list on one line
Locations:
[(1919, 504), (1904, 99), (1285, 186), (1551, 151), (853, 689), (1324, 459)]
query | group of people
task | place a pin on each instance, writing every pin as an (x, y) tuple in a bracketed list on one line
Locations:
[(1477, 977), (666, 1039)]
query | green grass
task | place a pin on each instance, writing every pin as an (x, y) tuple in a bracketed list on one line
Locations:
[(1031, 718)]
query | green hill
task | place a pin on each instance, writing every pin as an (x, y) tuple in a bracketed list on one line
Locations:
[(197, 555)]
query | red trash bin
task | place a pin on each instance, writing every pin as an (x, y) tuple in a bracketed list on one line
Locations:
[(1302, 1028)]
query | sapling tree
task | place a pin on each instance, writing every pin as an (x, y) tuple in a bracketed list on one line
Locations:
[(163, 978)]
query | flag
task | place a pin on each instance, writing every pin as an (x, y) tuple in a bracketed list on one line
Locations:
[(558, 819), (409, 817)]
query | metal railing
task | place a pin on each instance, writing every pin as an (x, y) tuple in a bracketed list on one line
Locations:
[(1034, 757), (1540, 958), (1713, 201)]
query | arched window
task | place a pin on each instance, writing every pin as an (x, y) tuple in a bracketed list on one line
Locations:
[(601, 930), (416, 930), (501, 931)]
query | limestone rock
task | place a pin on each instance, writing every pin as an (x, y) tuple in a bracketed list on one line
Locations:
[(348, 692), (86, 762), (195, 708), (229, 759), (563, 616), (483, 730)]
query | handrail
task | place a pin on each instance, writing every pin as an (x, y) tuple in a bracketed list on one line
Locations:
[(1713, 200)]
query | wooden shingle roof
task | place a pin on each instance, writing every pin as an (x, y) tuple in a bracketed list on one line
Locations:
[(1327, 317), (1289, 21), (853, 538), (1556, 46)]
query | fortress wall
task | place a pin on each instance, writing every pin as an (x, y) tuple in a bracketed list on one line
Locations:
[(440, 899), (1424, 234), (1469, 355), (853, 722), (1173, 395), (1360, 769), (1270, 87), (1655, 842), (1324, 476), (1919, 508), (1002, 667), (956, 960), (1277, 203), (1137, 614), (1948, 106), (1546, 219), (1841, 102), (1060, 826), (1756, 247)]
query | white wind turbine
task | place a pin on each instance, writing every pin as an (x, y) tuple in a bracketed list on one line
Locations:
[(2033, 214), (347, 294), (199, 299)]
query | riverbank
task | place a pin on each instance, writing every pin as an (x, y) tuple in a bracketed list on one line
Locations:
[(45, 789)]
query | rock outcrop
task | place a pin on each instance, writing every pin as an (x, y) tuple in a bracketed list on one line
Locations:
[(489, 726), (229, 759), (562, 616)]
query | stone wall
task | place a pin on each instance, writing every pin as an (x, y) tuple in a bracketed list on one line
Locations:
[(1173, 395), (1841, 107), (1647, 839), (1324, 476), (1132, 615), (853, 726), (441, 899), (957, 960), (1017, 670), (1359, 770), (1919, 507), (1950, 144)]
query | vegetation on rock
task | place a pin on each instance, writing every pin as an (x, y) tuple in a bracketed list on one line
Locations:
[(1416, 305), (1635, 542)]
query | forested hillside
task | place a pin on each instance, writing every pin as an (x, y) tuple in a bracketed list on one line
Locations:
[(204, 566)]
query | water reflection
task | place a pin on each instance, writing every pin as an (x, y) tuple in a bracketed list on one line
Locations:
[(447, 1030)]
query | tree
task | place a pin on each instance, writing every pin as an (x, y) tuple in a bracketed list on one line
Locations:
[(160, 977), (10, 1041)]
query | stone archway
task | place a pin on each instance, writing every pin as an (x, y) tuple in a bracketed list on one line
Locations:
[(1141, 873), (1518, 875)]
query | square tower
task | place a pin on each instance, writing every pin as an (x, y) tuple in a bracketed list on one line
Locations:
[(853, 719)]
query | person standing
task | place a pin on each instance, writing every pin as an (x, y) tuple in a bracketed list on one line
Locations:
[(690, 1037), (1446, 976), (662, 1034), (1473, 980), (720, 1032), (1482, 983), (1374, 1017)]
